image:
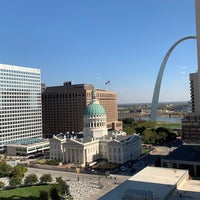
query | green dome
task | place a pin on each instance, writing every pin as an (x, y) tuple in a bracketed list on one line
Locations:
[(94, 109)]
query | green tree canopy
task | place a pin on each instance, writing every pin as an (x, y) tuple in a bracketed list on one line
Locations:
[(140, 129), (19, 170), (5, 169), (62, 186), (44, 195), (46, 178), (129, 121), (54, 193), (15, 181), (31, 179)]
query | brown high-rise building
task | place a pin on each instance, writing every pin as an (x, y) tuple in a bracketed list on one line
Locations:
[(63, 108), (191, 123)]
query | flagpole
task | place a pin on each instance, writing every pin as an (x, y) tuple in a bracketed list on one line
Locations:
[(108, 83)]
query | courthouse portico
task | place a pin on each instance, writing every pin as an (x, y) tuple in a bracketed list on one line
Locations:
[(96, 141)]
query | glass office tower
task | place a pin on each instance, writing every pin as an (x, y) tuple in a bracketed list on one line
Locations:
[(20, 104)]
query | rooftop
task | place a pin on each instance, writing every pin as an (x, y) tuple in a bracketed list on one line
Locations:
[(164, 183), (28, 141), (185, 152)]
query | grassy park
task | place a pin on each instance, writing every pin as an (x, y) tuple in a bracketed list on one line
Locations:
[(169, 125), (23, 193)]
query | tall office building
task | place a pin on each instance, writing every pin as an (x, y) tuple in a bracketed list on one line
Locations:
[(196, 78), (20, 104), (194, 91), (63, 108), (197, 7), (191, 123)]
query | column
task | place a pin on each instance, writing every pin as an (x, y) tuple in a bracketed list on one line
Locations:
[(63, 155), (195, 170), (75, 155), (83, 156), (66, 155), (70, 155), (80, 156)]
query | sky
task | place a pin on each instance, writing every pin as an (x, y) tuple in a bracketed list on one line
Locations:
[(93, 41)]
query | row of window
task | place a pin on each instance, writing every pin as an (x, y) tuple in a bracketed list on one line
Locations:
[(21, 116), (30, 126), (22, 93), (23, 123), (6, 85), (9, 71), (19, 137), (10, 106), (94, 124), (20, 81), (19, 101), (20, 78), (114, 158), (58, 96), (18, 90), (22, 112)]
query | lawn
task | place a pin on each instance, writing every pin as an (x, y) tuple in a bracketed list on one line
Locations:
[(21, 193), (169, 125)]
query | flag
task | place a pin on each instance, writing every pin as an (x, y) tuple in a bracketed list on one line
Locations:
[(107, 82)]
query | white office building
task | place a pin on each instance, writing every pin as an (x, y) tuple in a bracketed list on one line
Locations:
[(20, 104)]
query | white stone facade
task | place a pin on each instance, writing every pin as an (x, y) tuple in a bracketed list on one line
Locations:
[(97, 142), (115, 150), (125, 150)]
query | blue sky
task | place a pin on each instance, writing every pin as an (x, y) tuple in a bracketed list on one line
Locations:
[(93, 41)]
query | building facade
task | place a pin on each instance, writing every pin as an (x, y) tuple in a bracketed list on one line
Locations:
[(194, 92), (63, 108), (191, 123), (97, 142), (28, 147), (197, 12), (20, 104), (191, 129), (184, 157)]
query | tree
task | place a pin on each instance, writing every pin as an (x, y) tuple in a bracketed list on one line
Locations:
[(31, 179), (5, 169), (162, 129), (45, 178), (62, 187), (140, 129), (54, 193), (19, 170), (128, 125), (128, 121), (61, 184), (129, 130), (15, 181), (44, 195)]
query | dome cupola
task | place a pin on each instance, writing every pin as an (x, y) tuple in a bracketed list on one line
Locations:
[(94, 108), (94, 120)]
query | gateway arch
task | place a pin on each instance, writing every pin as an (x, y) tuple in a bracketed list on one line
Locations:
[(154, 105)]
